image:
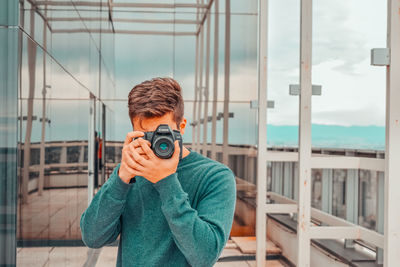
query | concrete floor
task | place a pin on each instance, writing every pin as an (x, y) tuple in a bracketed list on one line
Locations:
[(76, 256), (56, 214), (53, 215)]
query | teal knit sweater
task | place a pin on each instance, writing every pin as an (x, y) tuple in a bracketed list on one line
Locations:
[(183, 220)]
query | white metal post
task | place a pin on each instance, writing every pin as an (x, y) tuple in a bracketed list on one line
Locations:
[(200, 88), (91, 144), (215, 81), (225, 153), (194, 122), (262, 132), (304, 207), (392, 155), (28, 132), (207, 85), (43, 136)]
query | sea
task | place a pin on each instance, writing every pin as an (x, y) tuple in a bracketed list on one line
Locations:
[(330, 136)]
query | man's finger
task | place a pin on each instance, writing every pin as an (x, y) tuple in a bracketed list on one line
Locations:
[(146, 148), (131, 170), (132, 164), (139, 159), (139, 149), (132, 135), (134, 144)]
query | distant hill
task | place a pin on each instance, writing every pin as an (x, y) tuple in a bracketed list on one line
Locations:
[(330, 136)]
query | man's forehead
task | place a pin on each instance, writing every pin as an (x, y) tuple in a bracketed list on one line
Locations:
[(150, 124)]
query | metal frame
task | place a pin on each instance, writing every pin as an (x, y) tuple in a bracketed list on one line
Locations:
[(261, 209), (207, 86), (195, 89), (31, 47), (150, 21), (215, 82), (171, 33), (200, 87), (43, 135), (121, 5), (392, 155), (304, 202), (225, 155), (91, 149)]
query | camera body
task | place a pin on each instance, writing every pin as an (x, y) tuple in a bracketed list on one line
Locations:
[(162, 141)]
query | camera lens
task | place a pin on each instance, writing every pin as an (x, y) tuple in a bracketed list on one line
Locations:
[(164, 147)]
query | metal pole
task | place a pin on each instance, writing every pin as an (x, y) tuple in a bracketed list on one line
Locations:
[(215, 81), (262, 132), (32, 81), (121, 5), (194, 122), (392, 156), (151, 21), (304, 203), (130, 32), (207, 86), (91, 144), (225, 155), (42, 140), (200, 88), (103, 147)]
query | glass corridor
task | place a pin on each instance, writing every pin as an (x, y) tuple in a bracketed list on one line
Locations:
[(66, 68)]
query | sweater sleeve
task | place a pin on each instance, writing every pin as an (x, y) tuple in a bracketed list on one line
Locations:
[(100, 222), (200, 234)]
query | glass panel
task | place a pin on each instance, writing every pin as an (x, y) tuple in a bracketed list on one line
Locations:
[(57, 78), (339, 193), (9, 13), (316, 189), (283, 70), (368, 192), (352, 105), (8, 139)]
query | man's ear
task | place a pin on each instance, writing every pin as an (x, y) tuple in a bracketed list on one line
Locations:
[(182, 126)]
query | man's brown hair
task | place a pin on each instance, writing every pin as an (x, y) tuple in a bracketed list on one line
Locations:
[(155, 98)]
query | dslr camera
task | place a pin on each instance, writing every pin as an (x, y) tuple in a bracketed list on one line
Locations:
[(162, 141)]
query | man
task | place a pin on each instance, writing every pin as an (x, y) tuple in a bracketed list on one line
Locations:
[(176, 212)]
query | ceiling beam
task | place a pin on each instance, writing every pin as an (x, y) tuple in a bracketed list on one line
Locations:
[(208, 11), (124, 32), (155, 21), (124, 5)]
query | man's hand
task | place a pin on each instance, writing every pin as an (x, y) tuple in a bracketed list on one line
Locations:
[(149, 165), (126, 169)]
